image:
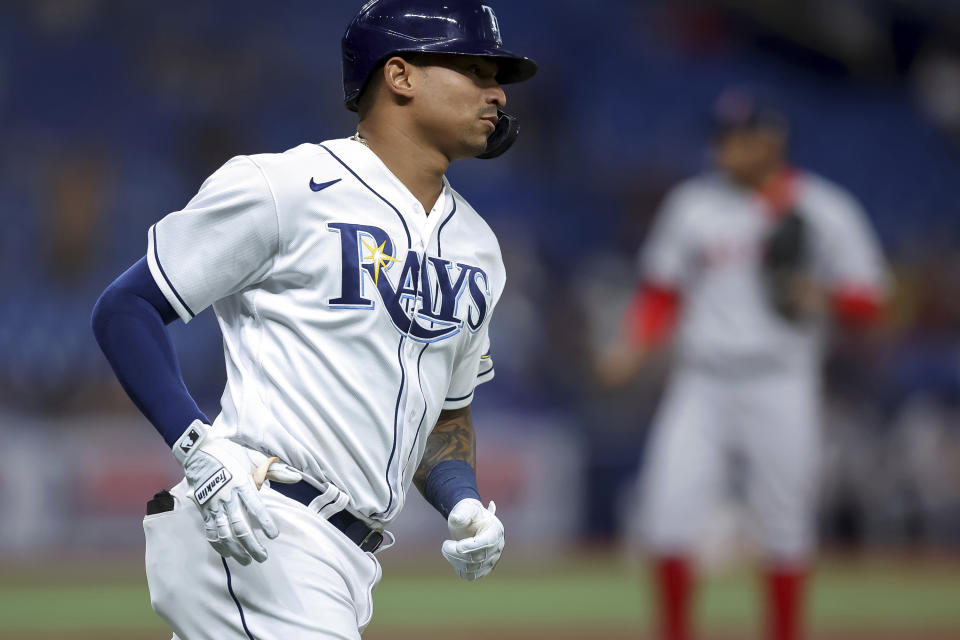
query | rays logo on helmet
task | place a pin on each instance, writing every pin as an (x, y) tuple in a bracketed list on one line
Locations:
[(425, 302)]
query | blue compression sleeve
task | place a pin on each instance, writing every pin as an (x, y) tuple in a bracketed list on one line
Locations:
[(448, 483), (129, 323)]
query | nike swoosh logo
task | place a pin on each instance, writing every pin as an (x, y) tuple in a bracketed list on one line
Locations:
[(322, 185)]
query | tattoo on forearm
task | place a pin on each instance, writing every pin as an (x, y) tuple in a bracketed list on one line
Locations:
[(451, 439)]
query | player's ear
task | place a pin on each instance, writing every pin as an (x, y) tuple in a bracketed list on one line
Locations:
[(399, 77)]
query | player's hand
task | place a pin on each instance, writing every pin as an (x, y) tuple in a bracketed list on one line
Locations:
[(477, 539), (220, 475), (618, 365)]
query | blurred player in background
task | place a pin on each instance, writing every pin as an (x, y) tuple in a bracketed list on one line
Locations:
[(354, 289), (744, 269)]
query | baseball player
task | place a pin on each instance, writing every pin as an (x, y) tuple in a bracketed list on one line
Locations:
[(354, 289), (743, 267)]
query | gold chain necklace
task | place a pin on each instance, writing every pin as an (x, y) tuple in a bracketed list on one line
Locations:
[(357, 138)]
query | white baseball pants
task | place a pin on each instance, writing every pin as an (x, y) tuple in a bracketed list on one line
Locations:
[(770, 423), (316, 583)]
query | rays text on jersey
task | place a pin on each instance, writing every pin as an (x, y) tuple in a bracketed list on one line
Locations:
[(425, 301)]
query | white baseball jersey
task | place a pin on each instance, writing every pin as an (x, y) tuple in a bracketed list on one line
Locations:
[(747, 380), (707, 243), (350, 317)]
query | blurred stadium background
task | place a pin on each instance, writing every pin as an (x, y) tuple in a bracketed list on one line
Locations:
[(112, 113)]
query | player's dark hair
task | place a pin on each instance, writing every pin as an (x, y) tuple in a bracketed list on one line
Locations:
[(365, 99)]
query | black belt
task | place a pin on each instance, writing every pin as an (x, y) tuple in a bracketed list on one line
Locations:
[(351, 526)]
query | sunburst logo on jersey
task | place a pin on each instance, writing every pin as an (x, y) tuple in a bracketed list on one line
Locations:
[(379, 257)]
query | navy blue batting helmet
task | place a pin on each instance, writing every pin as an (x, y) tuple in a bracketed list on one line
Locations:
[(384, 28)]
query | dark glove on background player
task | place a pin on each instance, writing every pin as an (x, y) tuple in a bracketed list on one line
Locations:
[(785, 268)]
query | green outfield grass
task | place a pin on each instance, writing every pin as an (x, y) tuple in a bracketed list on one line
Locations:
[(584, 597)]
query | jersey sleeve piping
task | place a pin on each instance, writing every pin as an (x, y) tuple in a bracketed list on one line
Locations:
[(485, 360), (160, 277), (462, 401), (457, 403)]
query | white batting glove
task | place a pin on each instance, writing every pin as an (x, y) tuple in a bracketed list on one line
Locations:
[(220, 475), (477, 539)]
